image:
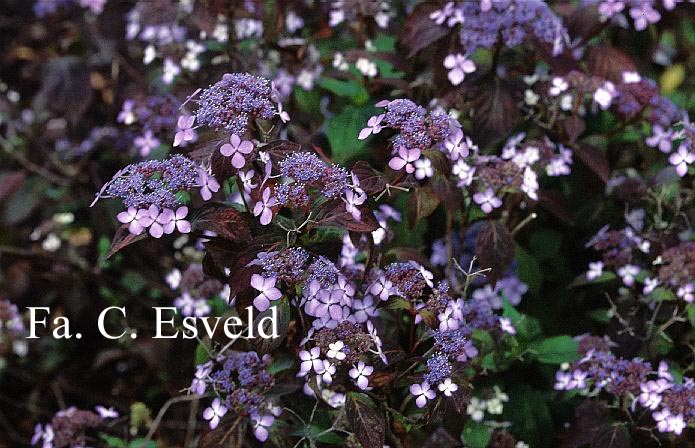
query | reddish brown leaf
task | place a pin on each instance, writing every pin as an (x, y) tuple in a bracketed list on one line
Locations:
[(495, 111), (440, 438), (365, 420), (439, 161), (609, 62), (574, 127), (10, 182), (123, 238), (447, 192), (595, 159), (334, 213), (419, 30), (421, 204), (371, 181), (612, 435), (588, 419), (556, 204), (278, 149), (495, 249), (408, 253), (227, 222)]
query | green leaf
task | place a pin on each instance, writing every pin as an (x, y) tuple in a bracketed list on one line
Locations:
[(528, 411), (527, 328), (342, 130), (555, 350), (475, 435), (350, 89), (280, 363), (201, 354), (529, 270)]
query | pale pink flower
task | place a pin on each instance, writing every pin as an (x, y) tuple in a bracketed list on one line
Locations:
[(237, 148)]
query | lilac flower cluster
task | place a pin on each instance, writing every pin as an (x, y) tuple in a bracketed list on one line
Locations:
[(417, 130), (352, 10), (69, 427), (508, 22), (308, 171), (154, 182), (150, 191), (12, 330), (672, 404), (682, 138), (630, 255), (629, 96), (196, 290), (234, 100), (46, 7), (642, 12), (241, 381), (339, 350)]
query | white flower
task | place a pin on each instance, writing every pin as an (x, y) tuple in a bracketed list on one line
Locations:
[(335, 350), (476, 409), (681, 159), (458, 66), (423, 392), (170, 71), (595, 270), (359, 373), (448, 387), (628, 273), (339, 62), (366, 67), (173, 278), (427, 275), (506, 325), (214, 413), (604, 95), (530, 97), (558, 85), (631, 77), (423, 168)]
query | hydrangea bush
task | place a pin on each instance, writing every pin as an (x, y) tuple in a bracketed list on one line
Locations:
[(471, 221)]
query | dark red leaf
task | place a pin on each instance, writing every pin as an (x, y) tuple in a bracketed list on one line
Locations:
[(440, 438), (588, 419), (611, 435), (609, 62), (595, 159), (556, 204), (440, 162), (10, 182), (372, 181), (278, 149), (447, 192), (495, 249), (225, 221), (408, 253), (365, 420), (123, 238), (584, 22), (334, 213), (495, 112), (419, 30), (574, 127), (421, 204)]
